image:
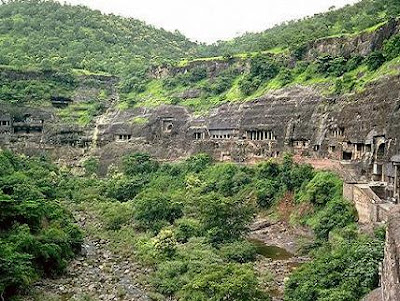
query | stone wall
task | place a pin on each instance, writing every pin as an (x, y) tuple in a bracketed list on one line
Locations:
[(370, 207), (391, 266)]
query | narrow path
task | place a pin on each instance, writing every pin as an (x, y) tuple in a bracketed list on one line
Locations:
[(97, 274)]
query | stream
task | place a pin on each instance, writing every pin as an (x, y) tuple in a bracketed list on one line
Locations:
[(273, 252)]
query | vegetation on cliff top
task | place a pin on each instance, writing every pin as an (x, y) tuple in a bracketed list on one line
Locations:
[(350, 19), (247, 79), (76, 40), (47, 34)]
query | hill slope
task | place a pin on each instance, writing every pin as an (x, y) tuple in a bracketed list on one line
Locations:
[(47, 34), (347, 20)]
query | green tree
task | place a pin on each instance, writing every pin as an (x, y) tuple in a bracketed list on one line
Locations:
[(224, 218), (138, 164), (153, 210)]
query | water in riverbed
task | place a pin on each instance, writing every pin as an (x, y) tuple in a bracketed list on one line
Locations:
[(273, 252)]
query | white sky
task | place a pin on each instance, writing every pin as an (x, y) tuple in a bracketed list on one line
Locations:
[(212, 20)]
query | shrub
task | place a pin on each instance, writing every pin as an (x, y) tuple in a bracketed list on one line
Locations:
[(91, 166), (375, 60), (323, 278), (165, 243), (249, 84), (133, 84), (300, 51), (268, 169), (138, 164), (16, 269), (153, 210), (198, 163), (239, 251), (224, 219), (337, 66), (169, 277), (285, 77), (354, 62), (324, 187), (186, 228), (266, 192), (338, 214), (116, 214), (392, 47), (197, 74), (223, 282), (345, 84), (124, 188), (227, 179), (264, 67)]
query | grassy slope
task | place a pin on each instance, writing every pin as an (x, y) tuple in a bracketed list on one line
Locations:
[(155, 94)]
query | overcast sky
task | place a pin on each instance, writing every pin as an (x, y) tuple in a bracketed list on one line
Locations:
[(212, 20)]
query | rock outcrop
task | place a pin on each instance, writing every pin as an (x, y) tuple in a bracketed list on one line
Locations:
[(360, 44)]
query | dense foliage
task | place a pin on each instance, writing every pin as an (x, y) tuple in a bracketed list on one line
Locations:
[(48, 34), (37, 235), (193, 217), (344, 270), (345, 265), (188, 220)]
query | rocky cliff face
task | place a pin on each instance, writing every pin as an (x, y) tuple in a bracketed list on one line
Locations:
[(362, 130), (361, 44), (54, 125)]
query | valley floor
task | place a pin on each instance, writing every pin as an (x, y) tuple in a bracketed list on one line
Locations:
[(97, 274), (107, 271)]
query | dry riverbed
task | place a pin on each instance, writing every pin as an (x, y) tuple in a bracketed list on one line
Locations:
[(100, 273), (97, 274), (278, 244)]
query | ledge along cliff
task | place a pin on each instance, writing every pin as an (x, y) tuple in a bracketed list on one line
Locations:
[(360, 131)]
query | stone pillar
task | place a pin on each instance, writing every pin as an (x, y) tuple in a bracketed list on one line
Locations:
[(383, 173), (396, 182)]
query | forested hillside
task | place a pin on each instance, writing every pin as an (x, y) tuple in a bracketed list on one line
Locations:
[(48, 35), (348, 20)]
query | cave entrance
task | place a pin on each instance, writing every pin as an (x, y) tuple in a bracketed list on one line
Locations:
[(347, 156), (381, 152)]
